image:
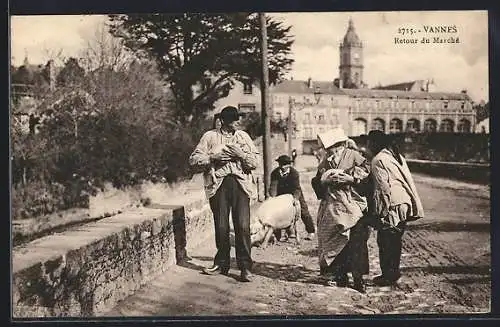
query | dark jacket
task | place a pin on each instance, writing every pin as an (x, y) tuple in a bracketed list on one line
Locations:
[(289, 184)]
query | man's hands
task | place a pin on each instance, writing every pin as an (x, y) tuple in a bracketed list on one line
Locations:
[(220, 156), (234, 151), (230, 152)]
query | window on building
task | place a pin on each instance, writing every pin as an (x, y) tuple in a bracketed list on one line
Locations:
[(462, 106), (308, 134), (334, 120), (378, 124), (447, 125), (445, 105), (413, 125), (307, 117), (464, 126), (396, 126), (356, 78), (359, 127), (247, 87), (246, 107), (321, 118), (430, 126)]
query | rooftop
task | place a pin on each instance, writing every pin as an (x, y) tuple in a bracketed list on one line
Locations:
[(401, 94), (400, 86), (302, 87), (292, 86)]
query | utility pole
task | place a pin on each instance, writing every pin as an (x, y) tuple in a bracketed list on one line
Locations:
[(290, 125), (266, 122)]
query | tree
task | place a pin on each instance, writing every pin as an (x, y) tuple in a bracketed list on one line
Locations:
[(71, 74), (209, 50), (252, 124), (482, 111)]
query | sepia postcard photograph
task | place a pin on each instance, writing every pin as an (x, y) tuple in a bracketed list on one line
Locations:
[(250, 164)]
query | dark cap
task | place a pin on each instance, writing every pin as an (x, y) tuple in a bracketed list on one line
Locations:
[(229, 114), (378, 137), (284, 159)]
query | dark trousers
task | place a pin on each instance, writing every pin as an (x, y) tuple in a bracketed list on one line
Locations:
[(305, 215), (354, 256), (390, 244), (230, 197)]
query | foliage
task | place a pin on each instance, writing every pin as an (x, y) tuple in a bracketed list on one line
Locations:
[(440, 146), (200, 55), (482, 111), (112, 124), (281, 126), (71, 73), (252, 124), (41, 198)]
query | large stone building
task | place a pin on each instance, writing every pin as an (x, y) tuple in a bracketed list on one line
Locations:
[(347, 101)]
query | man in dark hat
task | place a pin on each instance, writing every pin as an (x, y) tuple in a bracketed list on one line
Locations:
[(285, 180), (228, 157)]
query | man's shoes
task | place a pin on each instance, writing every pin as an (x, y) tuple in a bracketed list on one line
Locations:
[(342, 281), (216, 269), (310, 236), (359, 285), (383, 281), (246, 276)]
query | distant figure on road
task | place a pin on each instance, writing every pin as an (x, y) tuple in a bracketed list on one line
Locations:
[(294, 156), (395, 202), (228, 157), (285, 180), (342, 233)]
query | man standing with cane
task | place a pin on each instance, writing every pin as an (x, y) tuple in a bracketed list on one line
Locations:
[(228, 157)]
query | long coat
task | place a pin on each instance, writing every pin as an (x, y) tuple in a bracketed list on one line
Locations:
[(341, 206)]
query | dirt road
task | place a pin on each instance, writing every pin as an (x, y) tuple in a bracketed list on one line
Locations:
[(445, 263)]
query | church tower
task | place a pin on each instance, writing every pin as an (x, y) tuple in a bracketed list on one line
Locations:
[(351, 59)]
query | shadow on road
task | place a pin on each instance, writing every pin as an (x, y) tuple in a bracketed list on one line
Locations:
[(466, 270), (285, 272), (449, 226), (191, 299), (470, 280), (310, 252)]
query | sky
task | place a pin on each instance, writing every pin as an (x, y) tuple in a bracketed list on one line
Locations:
[(453, 67)]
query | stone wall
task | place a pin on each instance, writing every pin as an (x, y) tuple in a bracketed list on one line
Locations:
[(88, 269)]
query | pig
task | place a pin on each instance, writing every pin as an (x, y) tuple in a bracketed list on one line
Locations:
[(278, 212)]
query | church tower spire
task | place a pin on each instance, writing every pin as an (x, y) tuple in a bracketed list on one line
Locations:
[(351, 58)]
